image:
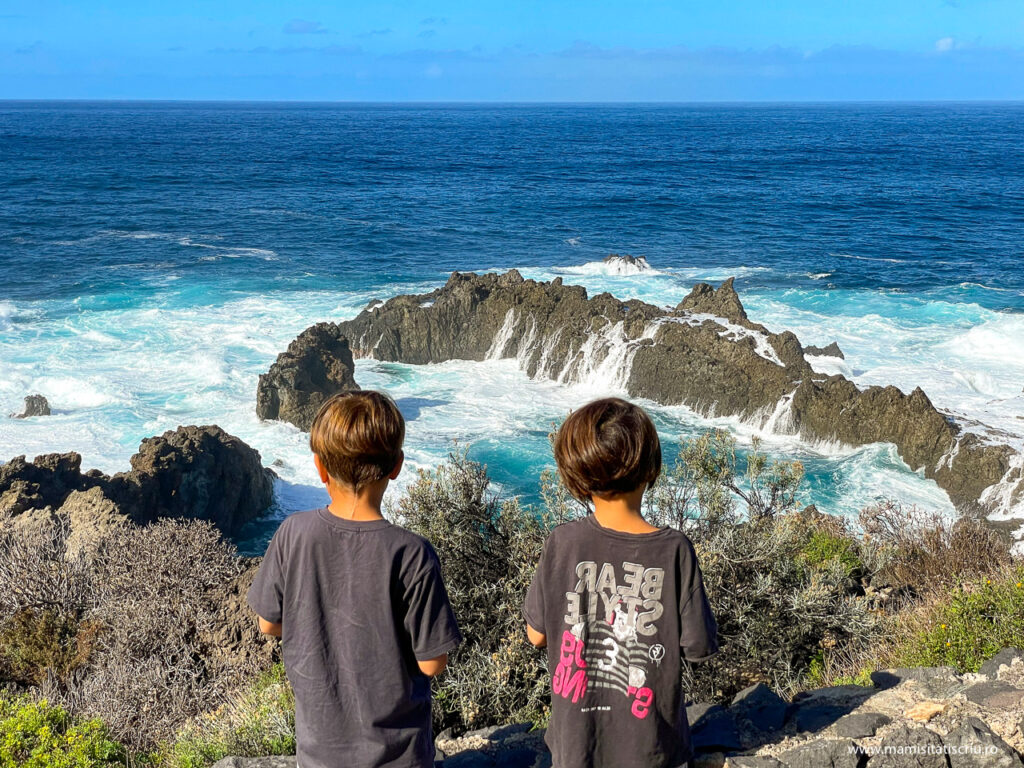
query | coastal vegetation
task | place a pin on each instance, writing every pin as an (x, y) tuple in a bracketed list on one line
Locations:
[(134, 645)]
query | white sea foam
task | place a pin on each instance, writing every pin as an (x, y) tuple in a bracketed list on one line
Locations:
[(613, 267)]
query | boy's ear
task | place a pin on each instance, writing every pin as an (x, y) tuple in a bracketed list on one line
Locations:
[(398, 466), (321, 470)]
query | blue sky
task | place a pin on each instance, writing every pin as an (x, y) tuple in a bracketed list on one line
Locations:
[(481, 50)]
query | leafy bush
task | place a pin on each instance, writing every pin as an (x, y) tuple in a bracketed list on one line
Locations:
[(35, 644), (967, 625), (488, 550), (256, 722), (784, 586), (37, 735)]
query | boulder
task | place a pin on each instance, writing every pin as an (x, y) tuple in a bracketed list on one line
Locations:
[(752, 761), (705, 354), (716, 731), (824, 753), (626, 263), (761, 706), (190, 472), (316, 365), (1005, 657), (910, 747), (830, 350), (933, 681), (35, 405), (973, 745), (994, 694), (860, 725)]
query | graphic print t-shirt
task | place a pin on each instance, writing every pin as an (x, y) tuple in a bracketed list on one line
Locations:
[(359, 604), (619, 610)]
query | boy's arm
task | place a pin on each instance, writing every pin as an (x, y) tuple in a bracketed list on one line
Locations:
[(433, 667), (269, 627), (536, 638)]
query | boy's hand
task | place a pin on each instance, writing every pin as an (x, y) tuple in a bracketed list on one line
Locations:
[(537, 639), (433, 667), (268, 627)]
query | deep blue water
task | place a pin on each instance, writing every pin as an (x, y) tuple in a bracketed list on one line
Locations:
[(156, 256)]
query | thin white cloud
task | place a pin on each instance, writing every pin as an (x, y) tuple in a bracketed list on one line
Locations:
[(945, 44)]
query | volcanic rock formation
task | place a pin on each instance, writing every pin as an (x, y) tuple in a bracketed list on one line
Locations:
[(315, 366), (705, 353), (190, 472), (35, 405)]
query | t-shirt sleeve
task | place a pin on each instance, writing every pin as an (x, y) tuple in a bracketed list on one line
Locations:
[(698, 631), (429, 617), (533, 606), (266, 595)]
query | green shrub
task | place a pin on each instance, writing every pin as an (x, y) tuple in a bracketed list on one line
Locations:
[(35, 644), (257, 722), (968, 625), (488, 550), (37, 735), (824, 547)]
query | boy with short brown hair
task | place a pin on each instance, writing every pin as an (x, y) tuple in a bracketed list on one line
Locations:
[(621, 600), (359, 602)]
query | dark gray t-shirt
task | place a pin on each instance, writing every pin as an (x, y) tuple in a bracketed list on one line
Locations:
[(359, 604), (619, 611)]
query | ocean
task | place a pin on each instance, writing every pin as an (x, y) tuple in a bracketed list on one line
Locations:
[(156, 257)]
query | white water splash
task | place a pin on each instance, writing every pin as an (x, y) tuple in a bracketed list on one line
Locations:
[(503, 336), (731, 331)]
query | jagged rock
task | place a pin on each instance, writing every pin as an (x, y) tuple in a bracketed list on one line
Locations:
[(627, 262), (811, 718), (255, 762), (723, 302), (973, 745), (193, 472), (910, 747), (92, 515), (317, 365), (933, 681), (1004, 658), (824, 753), (759, 704), (994, 694), (683, 356), (829, 350), (35, 405), (859, 725), (716, 731)]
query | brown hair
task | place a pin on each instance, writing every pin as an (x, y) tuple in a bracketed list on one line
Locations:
[(358, 437), (607, 446)]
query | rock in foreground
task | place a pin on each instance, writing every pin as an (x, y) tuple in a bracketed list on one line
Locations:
[(190, 472), (317, 365)]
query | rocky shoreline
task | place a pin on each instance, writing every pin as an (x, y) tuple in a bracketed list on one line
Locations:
[(704, 353), (929, 717)]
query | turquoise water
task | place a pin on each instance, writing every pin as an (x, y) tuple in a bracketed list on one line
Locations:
[(157, 257)]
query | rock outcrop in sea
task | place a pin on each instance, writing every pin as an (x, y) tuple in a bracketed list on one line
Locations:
[(317, 365), (35, 405), (190, 472), (705, 353)]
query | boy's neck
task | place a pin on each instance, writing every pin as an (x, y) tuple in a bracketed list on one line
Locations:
[(622, 512), (358, 507)]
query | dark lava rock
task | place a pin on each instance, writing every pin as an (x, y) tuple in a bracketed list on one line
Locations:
[(859, 725), (316, 365), (911, 746), (936, 681), (973, 745), (995, 694), (759, 704), (682, 356), (255, 762), (824, 753), (192, 472), (830, 350), (35, 405), (716, 731), (814, 717), (752, 761), (634, 261), (723, 302), (1005, 656)]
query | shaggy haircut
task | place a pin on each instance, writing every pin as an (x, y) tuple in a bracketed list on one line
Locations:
[(358, 437), (608, 446)]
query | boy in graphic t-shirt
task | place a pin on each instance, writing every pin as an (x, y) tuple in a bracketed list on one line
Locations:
[(618, 603), (359, 602)]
